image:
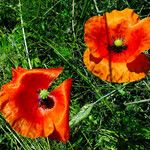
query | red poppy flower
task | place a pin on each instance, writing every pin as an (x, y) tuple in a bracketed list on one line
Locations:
[(31, 110), (115, 42)]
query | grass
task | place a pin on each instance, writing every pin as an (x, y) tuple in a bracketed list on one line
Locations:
[(49, 33)]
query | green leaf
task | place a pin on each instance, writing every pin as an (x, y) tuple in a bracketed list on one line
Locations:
[(146, 133), (83, 113), (36, 62)]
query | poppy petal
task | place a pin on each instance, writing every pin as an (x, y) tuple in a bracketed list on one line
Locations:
[(119, 72), (3, 100), (44, 77), (140, 64), (61, 121), (25, 77), (5, 107), (127, 14), (95, 36), (139, 39)]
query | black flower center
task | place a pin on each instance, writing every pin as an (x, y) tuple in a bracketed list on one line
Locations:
[(118, 46), (117, 49), (46, 103)]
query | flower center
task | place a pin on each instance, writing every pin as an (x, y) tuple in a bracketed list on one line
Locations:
[(118, 46), (45, 101)]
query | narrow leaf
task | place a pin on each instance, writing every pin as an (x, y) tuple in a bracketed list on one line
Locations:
[(83, 113)]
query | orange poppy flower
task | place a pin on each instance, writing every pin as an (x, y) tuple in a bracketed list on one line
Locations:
[(31, 110), (115, 44)]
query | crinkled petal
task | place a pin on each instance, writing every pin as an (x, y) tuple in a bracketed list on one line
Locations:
[(127, 14), (61, 97), (21, 76), (95, 36), (4, 98), (44, 78), (139, 39), (116, 72), (6, 108), (140, 64), (48, 125)]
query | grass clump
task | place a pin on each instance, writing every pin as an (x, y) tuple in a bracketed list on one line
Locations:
[(54, 36)]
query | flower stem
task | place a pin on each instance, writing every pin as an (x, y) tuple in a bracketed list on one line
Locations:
[(24, 36)]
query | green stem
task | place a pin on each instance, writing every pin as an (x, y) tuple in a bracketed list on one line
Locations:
[(24, 36), (137, 102)]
